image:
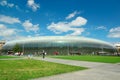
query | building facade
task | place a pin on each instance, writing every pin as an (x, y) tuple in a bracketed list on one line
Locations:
[(64, 45), (117, 45), (1, 45)]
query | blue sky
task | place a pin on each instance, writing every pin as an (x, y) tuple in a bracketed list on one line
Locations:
[(98, 19)]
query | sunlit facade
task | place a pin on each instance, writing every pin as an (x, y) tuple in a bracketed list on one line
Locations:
[(62, 44), (1, 44)]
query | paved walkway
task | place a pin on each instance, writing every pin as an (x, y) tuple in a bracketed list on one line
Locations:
[(97, 71)]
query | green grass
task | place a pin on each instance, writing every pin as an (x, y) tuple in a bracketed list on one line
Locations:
[(104, 59), (5, 57), (29, 69)]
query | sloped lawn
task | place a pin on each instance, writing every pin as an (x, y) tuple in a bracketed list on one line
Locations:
[(5, 57), (29, 69)]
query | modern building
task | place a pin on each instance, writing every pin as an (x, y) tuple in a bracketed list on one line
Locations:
[(64, 45), (1, 45), (117, 45)]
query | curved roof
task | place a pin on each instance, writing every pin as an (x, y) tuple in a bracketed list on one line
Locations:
[(59, 39), (117, 44)]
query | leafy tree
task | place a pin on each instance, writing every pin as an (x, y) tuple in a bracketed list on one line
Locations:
[(17, 48)]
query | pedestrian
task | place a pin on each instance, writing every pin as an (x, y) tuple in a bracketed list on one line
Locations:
[(43, 53), (29, 56)]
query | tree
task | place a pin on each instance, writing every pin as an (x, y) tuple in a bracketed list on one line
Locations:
[(17, 48)]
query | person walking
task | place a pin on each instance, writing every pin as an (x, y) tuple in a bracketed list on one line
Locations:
[(43, 54)]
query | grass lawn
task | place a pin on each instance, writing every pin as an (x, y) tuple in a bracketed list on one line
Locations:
[(29, 69), (104, 59), (5, 57)]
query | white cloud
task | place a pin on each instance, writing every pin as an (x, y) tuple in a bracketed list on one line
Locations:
[(5, 3), (114, 32), (14, 37), (117, 29), (11, 5), (6, 32), (71, 15), (77, 31), (59, 27), (79, 21), (8, 19), (30, 27), (101, 28), (74, 26), (33, 5)]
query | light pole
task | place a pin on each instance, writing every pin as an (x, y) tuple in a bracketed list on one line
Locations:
[(68, 49), (23, 48)]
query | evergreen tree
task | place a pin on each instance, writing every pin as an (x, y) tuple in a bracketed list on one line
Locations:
[(17, 48)]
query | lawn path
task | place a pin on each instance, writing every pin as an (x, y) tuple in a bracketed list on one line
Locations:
[(97, 71)]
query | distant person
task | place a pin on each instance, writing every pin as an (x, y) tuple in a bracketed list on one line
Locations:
[(43, 54), (29, 56)]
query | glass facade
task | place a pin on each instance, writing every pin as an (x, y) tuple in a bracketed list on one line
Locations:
[(63, 44)]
